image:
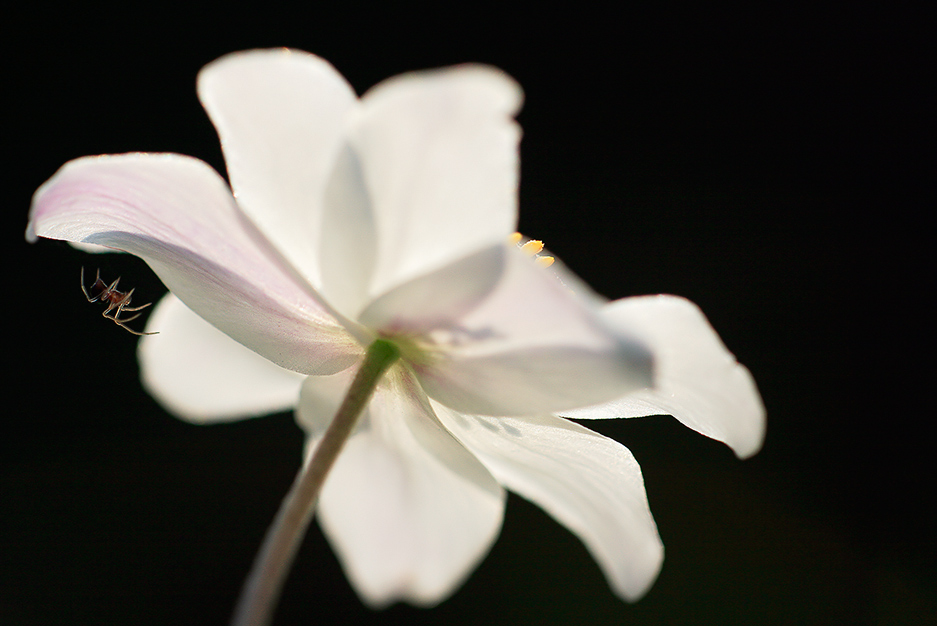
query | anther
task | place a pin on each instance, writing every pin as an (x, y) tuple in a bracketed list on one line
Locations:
[(532, 247)]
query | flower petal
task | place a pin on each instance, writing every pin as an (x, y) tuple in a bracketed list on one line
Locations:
[(177, 214), (435, 300), (438, 152), (347, 254), (587, 482), (531, 346), (407, 509), (698, 380), (201, 375), (280, 115)]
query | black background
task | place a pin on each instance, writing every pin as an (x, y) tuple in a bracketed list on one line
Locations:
[(770, 164)]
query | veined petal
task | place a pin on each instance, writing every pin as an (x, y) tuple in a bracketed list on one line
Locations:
[(438, 151), (587, 482), (177, 214), (698, 380), (530, 346), (201, 375), (408, 510), (280, 115)]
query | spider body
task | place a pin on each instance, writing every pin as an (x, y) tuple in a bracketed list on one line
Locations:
[(118, 302)]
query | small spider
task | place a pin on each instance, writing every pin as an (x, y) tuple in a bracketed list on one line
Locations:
[(117, 301)]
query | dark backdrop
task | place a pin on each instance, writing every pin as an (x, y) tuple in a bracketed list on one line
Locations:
[(768, 164)]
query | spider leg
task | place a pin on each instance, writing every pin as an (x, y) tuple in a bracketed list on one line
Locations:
[(117, 302), (121, 322), (135, 308), (124, 320), (135, 332), (84, 290), (98, 286), (122, 302), (122, 307), (117, 306)]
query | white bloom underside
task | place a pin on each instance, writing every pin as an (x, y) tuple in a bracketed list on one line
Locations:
[(389, 216)]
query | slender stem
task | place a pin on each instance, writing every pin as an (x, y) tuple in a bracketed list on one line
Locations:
[(262, 588)]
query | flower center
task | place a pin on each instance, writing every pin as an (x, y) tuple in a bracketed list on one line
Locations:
[(421, 350), (415, 350)]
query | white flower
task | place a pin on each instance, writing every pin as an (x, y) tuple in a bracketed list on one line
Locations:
[(389, 217)]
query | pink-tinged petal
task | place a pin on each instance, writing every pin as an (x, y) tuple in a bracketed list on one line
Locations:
[(587, 482), (435, 300), (90, 248), (407, 509), (698, 380), (280, 115), (177, 214), (438, 152), (201, 375), (530, 346)]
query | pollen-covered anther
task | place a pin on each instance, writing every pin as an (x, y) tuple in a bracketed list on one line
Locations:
[(532, 247)]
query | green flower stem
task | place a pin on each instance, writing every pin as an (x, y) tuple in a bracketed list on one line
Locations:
[(261, 591)]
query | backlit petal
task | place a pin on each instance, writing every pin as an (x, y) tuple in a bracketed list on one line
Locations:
[(201, 375), (531, 346), (438, 299), (587, 482), (407, 509), (280, 115), (177, 214), (438, 152), (698, 380), (348, 249)]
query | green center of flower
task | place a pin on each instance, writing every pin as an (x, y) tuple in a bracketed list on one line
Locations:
[(416, 350)]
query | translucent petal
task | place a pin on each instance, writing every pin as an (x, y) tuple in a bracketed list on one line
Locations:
[(347, 252), (407, 509), (587, 482), (177, 214), (201, 375), (281, 116), (438, 152), (698, 380), (436, 300), (530, 346)]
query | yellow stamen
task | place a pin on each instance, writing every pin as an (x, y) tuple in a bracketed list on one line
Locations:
[(532, 247)]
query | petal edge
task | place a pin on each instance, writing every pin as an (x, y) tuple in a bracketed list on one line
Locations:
[(587, 482), (699, 381), (177, 214)]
